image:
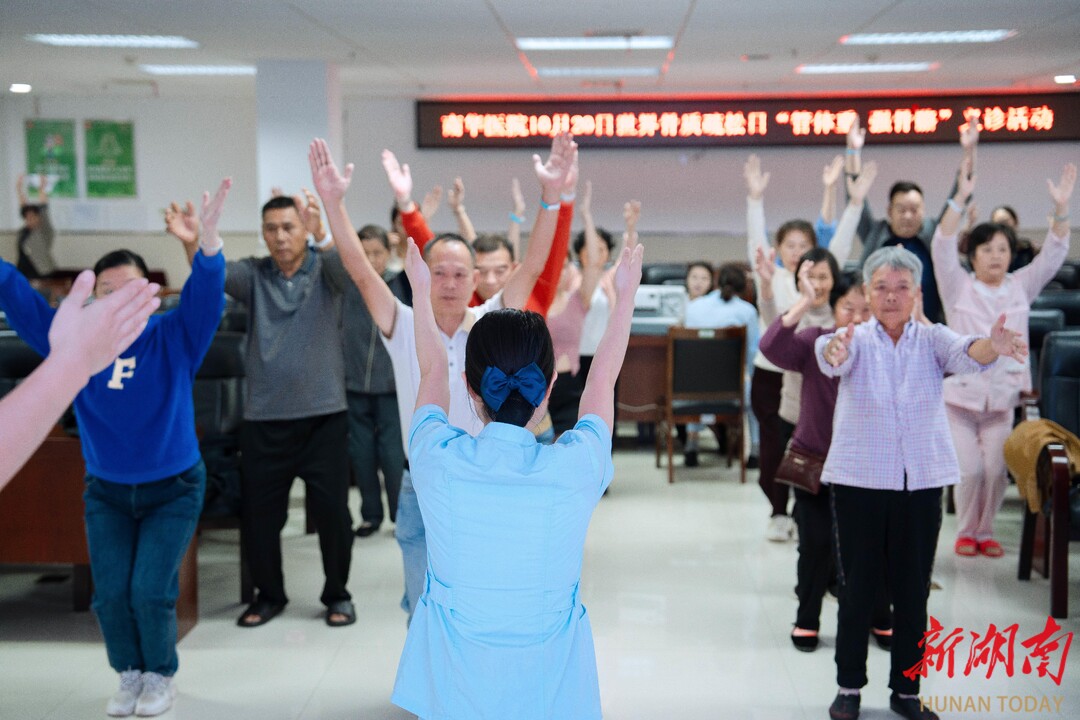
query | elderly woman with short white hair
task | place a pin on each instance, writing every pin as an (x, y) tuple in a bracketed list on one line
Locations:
[(891, 455)]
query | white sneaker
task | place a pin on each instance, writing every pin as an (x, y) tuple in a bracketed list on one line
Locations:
[(779, 529), (123, 702), (158, 693)]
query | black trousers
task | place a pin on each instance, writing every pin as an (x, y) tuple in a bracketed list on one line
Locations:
[(374, 444), (765, 402), (816, 568), (273, 454), (565, 401), (897, 530)]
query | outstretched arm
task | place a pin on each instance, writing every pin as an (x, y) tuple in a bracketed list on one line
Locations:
[(552, 176), (1034, 276), (856, 139), (400, 178), (943, 248), (431, 202), (1001, 343), (430, 352), (84, 340), (456, 200), (756, 182), (517, 217), (829, 177), (332, 186), (844, 238), (598, 398)]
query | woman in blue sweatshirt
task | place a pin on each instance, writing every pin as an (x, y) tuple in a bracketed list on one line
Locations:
[(145, 478)]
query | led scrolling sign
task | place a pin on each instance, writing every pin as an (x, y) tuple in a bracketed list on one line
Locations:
[(696, 123)]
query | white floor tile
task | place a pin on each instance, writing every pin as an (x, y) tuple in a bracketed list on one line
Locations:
[(691, 609)]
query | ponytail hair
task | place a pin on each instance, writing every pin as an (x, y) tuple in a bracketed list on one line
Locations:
[(732, 281), (501, 344)]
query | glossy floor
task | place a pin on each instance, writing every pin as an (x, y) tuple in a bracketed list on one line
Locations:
[(690, 605)]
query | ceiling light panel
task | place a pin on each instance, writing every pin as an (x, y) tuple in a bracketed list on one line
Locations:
[(116, 41), (945, 37), (1065, 79), (20, 88), (597, 72), (601, 42), (846, 68), (198, 69)]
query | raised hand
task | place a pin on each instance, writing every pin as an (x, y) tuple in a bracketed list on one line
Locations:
[(456, 196), (432, 199), (807, 294), (518, 198), (209, 216), (965, 180), (570, 186), (1061, 192), (307, 205), (417, 271), (856, 136), (181, 222), (631, 214), (329, 182), (756, 181), (859, 187), (628, 272), (398, 176), (969, 136), (585, 206), (836, 350), (1006, 342), (765, 265), (552, 173), (831, 174)]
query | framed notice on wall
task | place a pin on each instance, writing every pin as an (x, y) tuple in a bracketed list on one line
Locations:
[(50, 151), (110, 159)]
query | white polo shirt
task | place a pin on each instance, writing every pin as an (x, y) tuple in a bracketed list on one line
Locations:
[(402, 349)]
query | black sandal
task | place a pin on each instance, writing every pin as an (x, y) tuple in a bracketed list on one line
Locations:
[(341, 607), (263, 609)]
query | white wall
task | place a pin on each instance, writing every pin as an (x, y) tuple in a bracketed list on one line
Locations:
[(693, 200)]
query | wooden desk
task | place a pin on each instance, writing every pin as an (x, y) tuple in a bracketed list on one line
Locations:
[(639, 394), (41, 522)]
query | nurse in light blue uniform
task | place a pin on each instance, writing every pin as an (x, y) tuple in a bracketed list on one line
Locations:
[(500, 630)]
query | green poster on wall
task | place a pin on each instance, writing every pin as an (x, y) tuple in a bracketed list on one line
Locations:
[(50, 150), (110, 159)]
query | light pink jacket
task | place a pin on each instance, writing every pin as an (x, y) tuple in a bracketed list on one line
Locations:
[(972, 308)]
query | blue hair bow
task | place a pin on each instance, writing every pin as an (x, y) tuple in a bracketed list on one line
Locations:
[(496, 386)]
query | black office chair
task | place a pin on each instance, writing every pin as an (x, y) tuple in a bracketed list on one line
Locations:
[(1068, 301), (706, 371), (17, 360), (661, 273), (1040, 324), (1068, 276), (219, 412), (1059, 380)]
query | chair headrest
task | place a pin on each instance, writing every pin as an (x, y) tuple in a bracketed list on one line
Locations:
[(225, 358), (1060, 355), (17, 359)]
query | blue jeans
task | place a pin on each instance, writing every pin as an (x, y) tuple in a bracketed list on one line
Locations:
[(138, 535), (409, 532)]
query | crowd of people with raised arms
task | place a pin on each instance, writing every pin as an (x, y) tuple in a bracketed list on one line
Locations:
[(476, 380)]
